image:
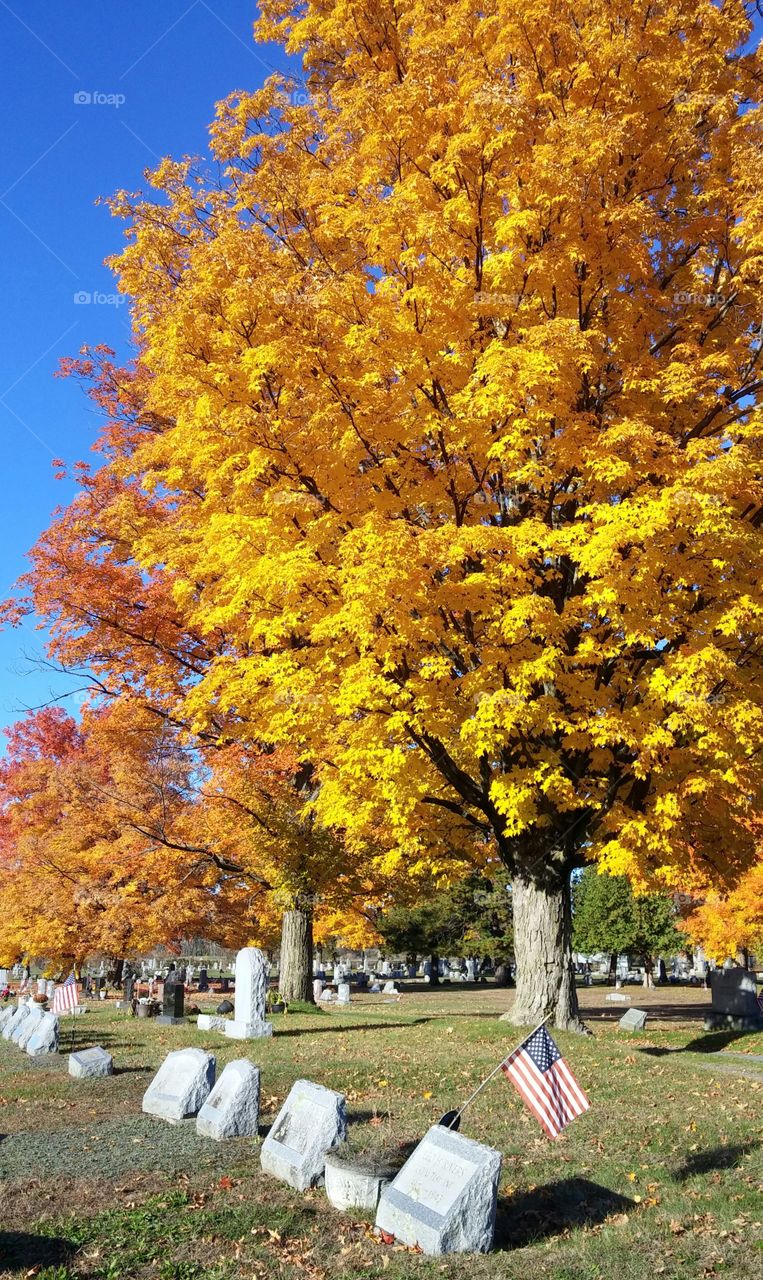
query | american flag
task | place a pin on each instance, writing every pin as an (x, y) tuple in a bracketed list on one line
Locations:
[(545, 1083), (66, 996)]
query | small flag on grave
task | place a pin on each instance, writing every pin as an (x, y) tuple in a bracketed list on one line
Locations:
[(545, 1083), (66, 997)]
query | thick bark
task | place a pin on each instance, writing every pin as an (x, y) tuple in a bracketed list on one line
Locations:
[(434, 980), (543, 951), (296, 969)]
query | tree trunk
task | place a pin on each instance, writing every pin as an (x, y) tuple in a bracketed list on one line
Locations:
[(648, 971), (543, 951), (295, 980), (435, 976)]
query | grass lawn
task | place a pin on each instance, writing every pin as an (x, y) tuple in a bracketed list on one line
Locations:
[(662, 1177)]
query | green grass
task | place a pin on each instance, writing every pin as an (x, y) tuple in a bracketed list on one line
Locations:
[(663, 1177)]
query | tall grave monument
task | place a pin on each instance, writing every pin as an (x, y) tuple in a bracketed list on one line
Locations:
[(248, 1022)]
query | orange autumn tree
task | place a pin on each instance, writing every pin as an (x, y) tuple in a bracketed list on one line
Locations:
[(96, 842), (731, 925), (451, 426), (118, 628)]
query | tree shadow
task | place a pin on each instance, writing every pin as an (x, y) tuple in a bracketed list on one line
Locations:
[(19, 1249), (714, 1158), (711, 1042), (348, 1026), (531, 1216)]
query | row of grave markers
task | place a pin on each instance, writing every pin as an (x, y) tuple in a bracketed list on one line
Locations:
[(30, 1026), (442, 1200)]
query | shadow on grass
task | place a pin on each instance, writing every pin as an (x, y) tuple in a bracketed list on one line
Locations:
[(19, 1249), (712, 1042), (714, 1158), (530, 1216), (348, 1026)]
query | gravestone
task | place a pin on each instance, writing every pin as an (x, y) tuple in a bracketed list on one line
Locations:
[(42, 987), (210, 1022), (444, 1197), (181, 1085), (23, 1032), (90, 1064), (128, 989), (6, 1013), (633, 1020), (44, 1038), (19, 1013), (390, 989), (203, 980), (343, 993), (327, 995), (51, 989), (317, 989), (312, 1121), (173, 1001), (232, 1109), (251, 989), (734, 996), (615, 997)]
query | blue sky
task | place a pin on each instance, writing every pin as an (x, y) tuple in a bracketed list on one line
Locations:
[(93, 93)]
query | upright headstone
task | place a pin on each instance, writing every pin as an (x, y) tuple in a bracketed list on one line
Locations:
[(343, 993), (20, 1012), (50, 989), (311, 1122), (44, 1038), (22, 1035), (173, 1000), (128, 989), (42, 987), (317, 989), (444, 1197), (232, 1109), (90, 1064), (734, 995), (203, 980), (181, 1086), (249, 1022), (6, 1013)]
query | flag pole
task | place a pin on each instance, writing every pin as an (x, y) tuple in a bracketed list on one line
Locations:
[(494, 1072)]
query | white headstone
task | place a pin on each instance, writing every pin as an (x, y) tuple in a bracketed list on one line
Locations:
[(311, 1122), (343, 993), (19, 1013), (42, 987), (6, 1013), (317, 989), (44, 1038), (248, 1021), (90, 1064), (23, 1032), (233, 1107), (615, 997), (444, 1197), (50, 989), (390, 989), (181, 1085)]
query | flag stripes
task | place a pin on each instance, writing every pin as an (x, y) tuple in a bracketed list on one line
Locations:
[(545, 1083), (66, 996)]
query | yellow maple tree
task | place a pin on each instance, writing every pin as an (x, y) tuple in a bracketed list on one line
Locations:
[(454, 382)]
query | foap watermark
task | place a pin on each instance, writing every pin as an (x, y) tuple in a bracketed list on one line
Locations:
[(689, 298), (695, 497), (95, 98), (483, 299), (86, 298)]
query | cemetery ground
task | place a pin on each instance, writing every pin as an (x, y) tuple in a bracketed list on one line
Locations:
[(662, 1177)]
